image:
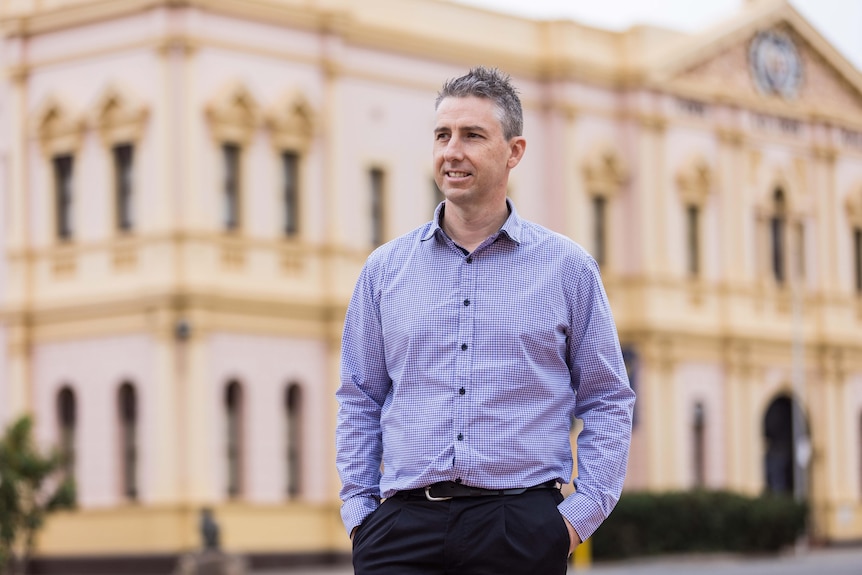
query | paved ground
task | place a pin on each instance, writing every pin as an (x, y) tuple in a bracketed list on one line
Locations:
[(813, 562)]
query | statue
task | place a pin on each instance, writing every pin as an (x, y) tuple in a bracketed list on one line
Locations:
[(209, 529), (211, 560)]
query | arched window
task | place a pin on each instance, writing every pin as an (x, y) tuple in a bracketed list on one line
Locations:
[(781, 439), (605, 175), (693, 233), (777, 225), (64, 195), (293, 412), (231, 156), (234, 453), (290, 192), (600, 227), (67, 418), (377, 204), (127, 405), (699, 440), (124, 155)]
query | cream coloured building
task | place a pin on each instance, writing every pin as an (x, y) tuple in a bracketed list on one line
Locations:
[(189, 189)]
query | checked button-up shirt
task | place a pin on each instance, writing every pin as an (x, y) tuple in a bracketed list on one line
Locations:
[(472, 367)]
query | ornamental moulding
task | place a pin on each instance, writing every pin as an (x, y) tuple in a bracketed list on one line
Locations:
[(604, 172), (234, 114), (118, 116), (695, 181), (58, 130)]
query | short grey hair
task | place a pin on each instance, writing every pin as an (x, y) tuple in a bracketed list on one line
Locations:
[(494, 85)]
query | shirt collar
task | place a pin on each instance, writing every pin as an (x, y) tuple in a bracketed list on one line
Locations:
[(512, 227)]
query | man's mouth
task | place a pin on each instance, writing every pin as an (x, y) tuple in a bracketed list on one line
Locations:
[(457, 174)]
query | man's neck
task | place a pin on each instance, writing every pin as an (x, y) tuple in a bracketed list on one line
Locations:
[(469, 228)]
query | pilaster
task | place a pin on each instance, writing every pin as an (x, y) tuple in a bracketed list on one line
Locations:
[(657, 394), (651, 198), (827, 217)]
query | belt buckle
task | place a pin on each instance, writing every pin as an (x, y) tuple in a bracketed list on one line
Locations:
[(430, 497)]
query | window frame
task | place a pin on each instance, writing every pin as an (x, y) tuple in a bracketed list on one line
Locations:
[(64, 195), (377, 192), (231, 156), (128, 415), (124, 186)]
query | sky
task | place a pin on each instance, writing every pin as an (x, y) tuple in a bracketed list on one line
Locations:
[(839, 21)]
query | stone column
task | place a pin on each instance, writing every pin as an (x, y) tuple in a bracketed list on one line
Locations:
[(650, 197), (658, 398), (18, 246)]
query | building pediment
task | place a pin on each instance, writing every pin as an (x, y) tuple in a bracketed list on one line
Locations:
[(769, 56)]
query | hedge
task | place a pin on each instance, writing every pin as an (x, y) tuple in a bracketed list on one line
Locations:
[(698, 521)]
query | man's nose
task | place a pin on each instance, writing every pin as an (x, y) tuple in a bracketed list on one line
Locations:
[(454, 149)]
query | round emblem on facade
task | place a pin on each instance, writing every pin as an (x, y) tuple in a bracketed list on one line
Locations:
[(776, 64)]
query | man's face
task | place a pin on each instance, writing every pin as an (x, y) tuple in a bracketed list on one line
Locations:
[(472, 158)]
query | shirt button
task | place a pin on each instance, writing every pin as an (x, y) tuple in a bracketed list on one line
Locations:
[(462, 391), (457, 480), (463, 347), (460, 437), (466, 302), (470, 259)]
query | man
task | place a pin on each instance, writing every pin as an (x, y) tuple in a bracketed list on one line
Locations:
[(470, 345)]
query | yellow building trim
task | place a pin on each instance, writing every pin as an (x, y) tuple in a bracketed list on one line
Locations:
[(298, 527)]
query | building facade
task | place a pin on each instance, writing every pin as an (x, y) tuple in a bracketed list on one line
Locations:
[(189, 190)]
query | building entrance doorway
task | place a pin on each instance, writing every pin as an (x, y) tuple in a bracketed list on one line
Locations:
[(779, 466)]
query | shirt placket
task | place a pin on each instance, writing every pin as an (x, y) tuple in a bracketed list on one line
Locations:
[(463, 383)]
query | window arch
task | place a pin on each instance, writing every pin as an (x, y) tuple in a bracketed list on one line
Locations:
[(127, 407), (233, 401), (604, 176), (777, 236), (67, 416), (694, 182), (233, 117), (291, 123), (293, 460), (377, 190), (693, 239), (121, 118)]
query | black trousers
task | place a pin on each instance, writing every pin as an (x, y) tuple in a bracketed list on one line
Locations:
[(498, 535)]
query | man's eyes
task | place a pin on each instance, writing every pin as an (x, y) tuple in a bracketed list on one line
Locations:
[(469, 135)]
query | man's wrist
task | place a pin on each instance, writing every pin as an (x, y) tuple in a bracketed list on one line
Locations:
[(574, 538), (356, 509)]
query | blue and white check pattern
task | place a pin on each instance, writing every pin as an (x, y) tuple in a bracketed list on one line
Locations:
[(471, 368)]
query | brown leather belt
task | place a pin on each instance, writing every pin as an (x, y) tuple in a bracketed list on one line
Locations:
[(446, 490)]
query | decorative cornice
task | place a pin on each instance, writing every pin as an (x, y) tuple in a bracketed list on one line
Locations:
[(695, 180), (56, 128), (233, 115), (118, 116), (292, 122), (605, 173)]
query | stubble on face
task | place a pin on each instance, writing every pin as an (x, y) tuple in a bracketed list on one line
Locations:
[(472, 158)]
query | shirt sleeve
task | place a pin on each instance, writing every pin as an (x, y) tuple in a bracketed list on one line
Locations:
[(363, 389), (605, 402)]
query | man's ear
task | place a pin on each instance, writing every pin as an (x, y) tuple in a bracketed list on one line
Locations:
[(517, 146)]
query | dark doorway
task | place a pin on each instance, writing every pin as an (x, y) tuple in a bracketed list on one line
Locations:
[(778, 433)]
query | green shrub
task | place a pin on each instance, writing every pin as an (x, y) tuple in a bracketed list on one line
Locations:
[(698, 521)]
